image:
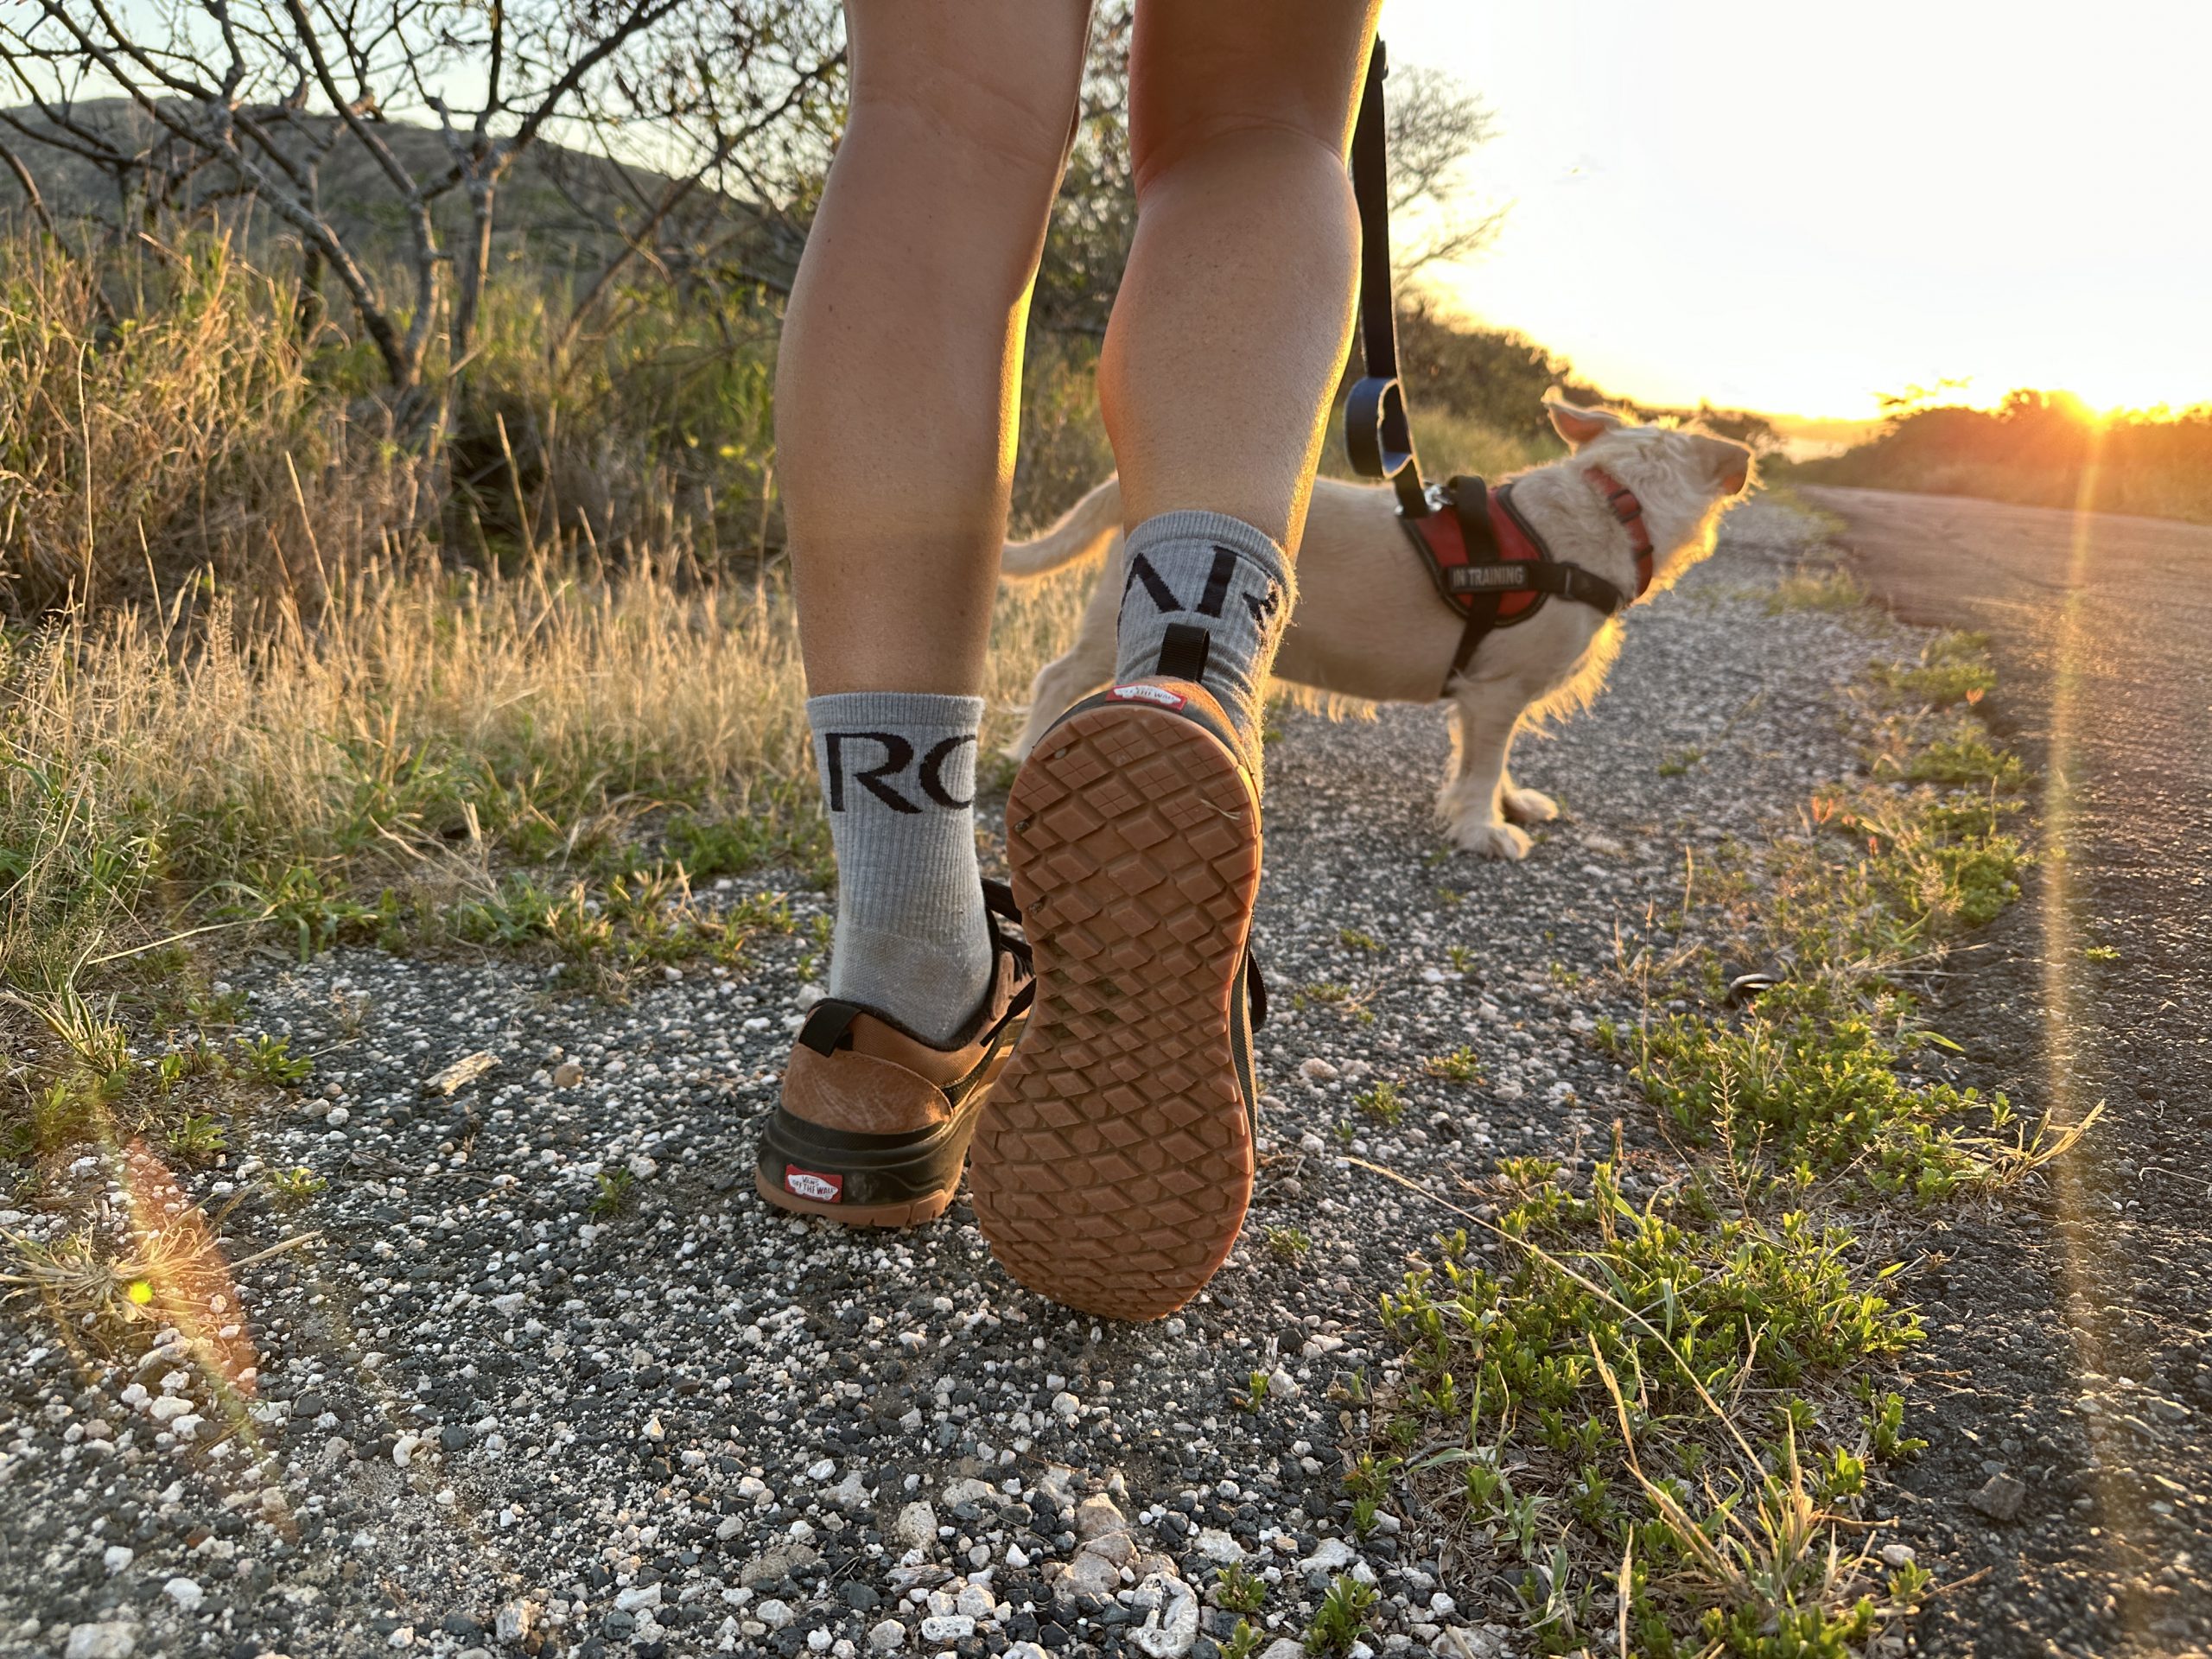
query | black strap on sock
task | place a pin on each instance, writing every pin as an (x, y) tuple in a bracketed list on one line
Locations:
[(1183, 652)]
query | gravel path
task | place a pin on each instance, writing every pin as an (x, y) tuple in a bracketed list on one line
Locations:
[(481, 1415)]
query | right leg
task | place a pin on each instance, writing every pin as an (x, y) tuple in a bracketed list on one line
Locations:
[(1229, 336), (1113, 1170), (1235, 313)]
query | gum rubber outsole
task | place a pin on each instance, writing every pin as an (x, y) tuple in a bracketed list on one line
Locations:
[(1114, 1162)]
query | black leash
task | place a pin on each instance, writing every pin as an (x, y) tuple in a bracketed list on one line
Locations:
[(1377, 435), (1451, 528)]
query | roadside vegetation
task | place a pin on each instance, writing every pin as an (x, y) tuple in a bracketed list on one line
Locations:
[(1658, 1385), (2039, 448), (276, 676)]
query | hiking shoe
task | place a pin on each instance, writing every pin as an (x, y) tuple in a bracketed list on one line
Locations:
[(1113, 1167), (874, 1122)]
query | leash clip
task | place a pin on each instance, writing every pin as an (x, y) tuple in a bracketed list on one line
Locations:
[(1379, 440)]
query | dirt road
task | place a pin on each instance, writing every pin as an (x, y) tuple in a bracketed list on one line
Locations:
[(2074, 1352)]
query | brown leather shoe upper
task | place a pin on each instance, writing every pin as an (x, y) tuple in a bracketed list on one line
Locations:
[(880, 1079)]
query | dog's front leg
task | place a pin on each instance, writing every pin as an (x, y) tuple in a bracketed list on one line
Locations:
[(1088, 666), (1470, 804), (1060, 684), (1523, 806)]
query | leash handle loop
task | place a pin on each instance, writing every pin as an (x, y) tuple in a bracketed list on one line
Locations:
[(1378, 437)]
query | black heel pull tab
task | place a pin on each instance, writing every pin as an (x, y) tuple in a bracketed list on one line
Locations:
[(1183, 652), (829, 1025)]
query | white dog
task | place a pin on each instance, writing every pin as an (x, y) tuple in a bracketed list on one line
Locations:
[(1370, 626)]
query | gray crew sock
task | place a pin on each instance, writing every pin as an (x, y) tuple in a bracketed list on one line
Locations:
[(1203, 586), (899, 774)]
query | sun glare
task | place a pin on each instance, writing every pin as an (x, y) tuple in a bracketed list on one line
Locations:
[(1799, 217)]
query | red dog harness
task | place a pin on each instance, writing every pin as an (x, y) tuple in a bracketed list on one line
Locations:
[(1490, 565)]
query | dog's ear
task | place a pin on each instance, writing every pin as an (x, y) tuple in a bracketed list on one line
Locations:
[(1729, 462), (1577, 426)]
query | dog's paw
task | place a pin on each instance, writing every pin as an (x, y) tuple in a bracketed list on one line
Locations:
[(1492, 840), (1528, 806)]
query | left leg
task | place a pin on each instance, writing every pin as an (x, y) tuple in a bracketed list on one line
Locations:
[(895, 394), (894, 426)]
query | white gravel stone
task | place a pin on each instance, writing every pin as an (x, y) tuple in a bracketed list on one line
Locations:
[(515, 1621), (888, 1636), (1333, 1555), (1217, 1546), (1095, 1516), (774, 1614), (947, 1627), (1091, 1574), (1171, 1628), (916, 1527), (109, 1640), (116, 1557), (185, 1592)]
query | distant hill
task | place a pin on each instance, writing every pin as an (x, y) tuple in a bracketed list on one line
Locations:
[(553, 210)]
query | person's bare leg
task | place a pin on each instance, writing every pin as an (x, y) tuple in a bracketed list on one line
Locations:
[(895, 398), (1230, 332), (901, 355), (1114, 1166)]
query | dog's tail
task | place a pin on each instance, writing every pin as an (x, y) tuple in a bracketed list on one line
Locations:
[(1083, 532)]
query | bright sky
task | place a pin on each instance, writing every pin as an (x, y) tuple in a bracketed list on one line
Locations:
[(1794, 207)]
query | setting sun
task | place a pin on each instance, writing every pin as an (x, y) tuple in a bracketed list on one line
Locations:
[(1801, 208)]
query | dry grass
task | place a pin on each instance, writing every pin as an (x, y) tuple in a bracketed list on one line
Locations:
[(419, 715), (194, 432)]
